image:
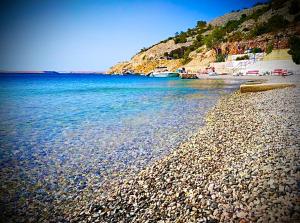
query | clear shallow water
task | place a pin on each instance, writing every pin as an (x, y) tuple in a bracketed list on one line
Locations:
[(69, 132)]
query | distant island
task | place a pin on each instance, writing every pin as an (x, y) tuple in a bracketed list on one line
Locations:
[(51, 72)]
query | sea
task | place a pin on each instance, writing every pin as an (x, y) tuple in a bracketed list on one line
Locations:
[(65, 133)]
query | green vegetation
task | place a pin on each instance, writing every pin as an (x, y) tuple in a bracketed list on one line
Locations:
[(275, 23), (294, 43), (215, 38), (236, 36), (269, 48), (295, 7), (143, 49), (259, 30), (257, 50), (255, 15), (245, 57), (201, 24), (180, 38), (229, 32), (220, 58), (177, 53), (232, 25)]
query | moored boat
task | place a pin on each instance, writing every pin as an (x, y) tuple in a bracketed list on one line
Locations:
[(163, 72)]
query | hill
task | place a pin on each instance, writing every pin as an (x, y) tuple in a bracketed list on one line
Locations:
[(262, 28)]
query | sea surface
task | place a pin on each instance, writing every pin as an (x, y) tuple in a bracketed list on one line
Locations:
[(64, 133)]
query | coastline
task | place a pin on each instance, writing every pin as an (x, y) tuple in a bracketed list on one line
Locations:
[(241, 166)]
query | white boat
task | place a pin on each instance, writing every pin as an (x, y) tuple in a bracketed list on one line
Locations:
[(163, 72)]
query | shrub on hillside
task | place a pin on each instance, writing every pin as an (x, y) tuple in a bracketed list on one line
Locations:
[(232, 25), (259, 30), (243, 17), (181, 38), (236, 36), (277, 22), (201, 24), (256, 50), (215, 38), (199, 38), (255, 15), (218, 35), (177, 53), (220, 58), (294, 44), (245, 57), (143, 49), (208, 41)]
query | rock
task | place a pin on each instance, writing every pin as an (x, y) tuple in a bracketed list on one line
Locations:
[(241, 214)]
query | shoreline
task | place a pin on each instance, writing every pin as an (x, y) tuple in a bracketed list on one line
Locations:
[(225, 172)]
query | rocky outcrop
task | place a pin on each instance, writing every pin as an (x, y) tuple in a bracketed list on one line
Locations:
[(233, 16), (146, 60)]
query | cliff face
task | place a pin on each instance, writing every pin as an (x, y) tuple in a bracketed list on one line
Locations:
[(237, 35)]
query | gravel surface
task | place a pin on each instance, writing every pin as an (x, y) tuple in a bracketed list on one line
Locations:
[(243, 166)]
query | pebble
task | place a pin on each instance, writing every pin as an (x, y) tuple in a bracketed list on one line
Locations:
[(239, 167)]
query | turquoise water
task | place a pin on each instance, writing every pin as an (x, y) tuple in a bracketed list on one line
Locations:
[(70, 132)]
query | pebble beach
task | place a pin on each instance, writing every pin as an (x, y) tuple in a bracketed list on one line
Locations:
[(243, 166)]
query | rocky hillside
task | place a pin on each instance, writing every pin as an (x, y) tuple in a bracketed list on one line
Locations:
[(262, 27)]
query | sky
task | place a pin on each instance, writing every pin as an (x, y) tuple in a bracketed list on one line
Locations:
[(93, 35)]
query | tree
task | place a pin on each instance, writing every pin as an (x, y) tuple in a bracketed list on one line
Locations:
[(214, 39), (294, 44), (256, 50), (231, 25), (217, 35), (243, 16), (180, 39), (201, 24), (208, 41), (199, 38)]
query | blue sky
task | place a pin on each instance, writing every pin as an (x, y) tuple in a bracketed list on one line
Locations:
[(94, 34)]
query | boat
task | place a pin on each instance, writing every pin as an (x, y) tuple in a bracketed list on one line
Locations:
[(163, 72)]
